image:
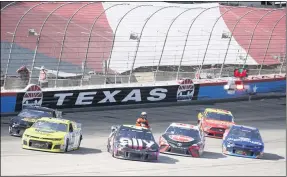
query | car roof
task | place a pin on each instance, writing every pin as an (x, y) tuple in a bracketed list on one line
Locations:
[(38, 108), (135, 127), (222, 111), (182, 125), (56, 120), (244, 127)]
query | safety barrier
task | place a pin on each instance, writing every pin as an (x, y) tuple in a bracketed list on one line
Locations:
[(184, 90)]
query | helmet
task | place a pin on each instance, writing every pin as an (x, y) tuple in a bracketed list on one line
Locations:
[(144, 115)]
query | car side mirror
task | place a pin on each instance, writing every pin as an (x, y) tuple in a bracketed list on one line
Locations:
[(113, 128)]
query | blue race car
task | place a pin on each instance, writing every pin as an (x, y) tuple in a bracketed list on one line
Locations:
[(243, 141)]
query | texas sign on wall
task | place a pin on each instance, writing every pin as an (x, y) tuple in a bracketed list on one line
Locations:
[(105, 97)]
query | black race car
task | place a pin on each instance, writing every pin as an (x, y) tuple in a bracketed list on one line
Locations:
[(28, 116), (184, 139), (132, 142)]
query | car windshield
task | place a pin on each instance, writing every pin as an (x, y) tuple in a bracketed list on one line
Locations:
[(32, 113), (183, 131), (219, 116), (50, 126), (245, 133), (134, 133)]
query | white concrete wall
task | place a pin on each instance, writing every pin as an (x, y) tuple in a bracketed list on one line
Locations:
[(153, 36)]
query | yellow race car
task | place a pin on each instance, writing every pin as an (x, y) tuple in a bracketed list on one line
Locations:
[(53, 135)]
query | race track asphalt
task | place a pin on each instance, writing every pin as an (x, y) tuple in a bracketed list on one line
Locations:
[(92, 158)]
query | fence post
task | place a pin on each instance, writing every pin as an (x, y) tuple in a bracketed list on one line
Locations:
[(39, 36), (247, 53), (64, 39), (282, 65), (186, 39), (210, 34), (157, 68), (267, 47), (220, 74), (90, 35), (139, 40), (13, 38), (114, 37)]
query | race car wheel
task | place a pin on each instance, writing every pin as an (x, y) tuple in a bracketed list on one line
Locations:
[(80, 142), (10, 130), (67, 145), (114, 153)]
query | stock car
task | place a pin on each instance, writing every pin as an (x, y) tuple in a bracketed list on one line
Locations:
[(214, 122), (27, 117), (133, 143), (53, 135), (184, 139), (243, 141)]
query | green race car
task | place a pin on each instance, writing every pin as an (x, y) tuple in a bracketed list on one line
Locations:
[(53, 135)]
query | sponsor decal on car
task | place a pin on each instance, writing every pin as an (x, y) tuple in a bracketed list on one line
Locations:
[(242, 139), (180, 138), (136, 143)]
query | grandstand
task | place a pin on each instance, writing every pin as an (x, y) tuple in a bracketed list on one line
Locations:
[(138, 39)]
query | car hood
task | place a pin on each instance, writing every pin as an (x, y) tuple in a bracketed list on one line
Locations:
[(136, 144), (44, 133), (178, 138), (25, 119), (170, 138), (245, 141), (217, 123)]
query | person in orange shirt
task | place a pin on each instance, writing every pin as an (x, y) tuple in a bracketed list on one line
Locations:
[(142, 120)]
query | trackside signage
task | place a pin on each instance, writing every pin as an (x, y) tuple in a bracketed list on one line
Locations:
[(109, 96)]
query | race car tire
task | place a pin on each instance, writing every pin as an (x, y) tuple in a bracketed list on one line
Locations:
[(114, 154), (67, 145), (80, 142), (197, 155), (108, 150), (10, 130)]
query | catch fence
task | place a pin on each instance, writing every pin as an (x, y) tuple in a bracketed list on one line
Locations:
[(94, 43)]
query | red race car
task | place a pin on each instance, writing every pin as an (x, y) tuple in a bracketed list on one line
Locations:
[(214, 122)]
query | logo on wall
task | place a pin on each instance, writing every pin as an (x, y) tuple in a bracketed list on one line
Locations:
[(185, 90), (33, 96)]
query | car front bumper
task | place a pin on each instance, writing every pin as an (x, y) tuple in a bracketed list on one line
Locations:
[(213, 134), (136, 155), (248, 153), (43, 145), (185, 151)]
